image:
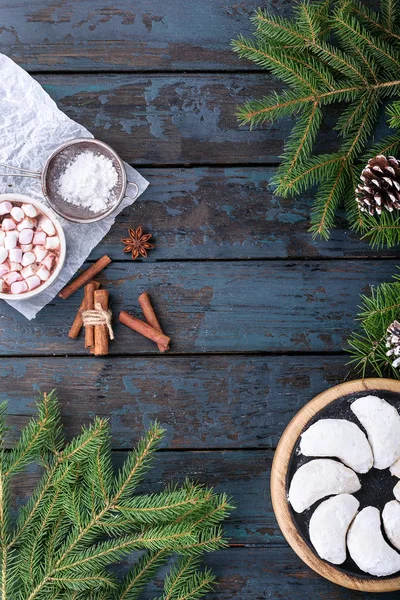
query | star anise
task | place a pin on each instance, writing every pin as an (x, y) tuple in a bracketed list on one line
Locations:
[(137, 243)]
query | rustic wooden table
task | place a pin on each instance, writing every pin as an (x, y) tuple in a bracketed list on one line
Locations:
[(258, 312)]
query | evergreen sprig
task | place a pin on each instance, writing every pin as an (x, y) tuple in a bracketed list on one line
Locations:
[(83, 517), (368, 347), (330, 52)]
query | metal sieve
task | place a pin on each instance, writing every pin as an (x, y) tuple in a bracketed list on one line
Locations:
[(56, 165)]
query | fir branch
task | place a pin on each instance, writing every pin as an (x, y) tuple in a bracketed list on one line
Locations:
[(187, 582), (368, 344), (4, 524), (389, 13), (374, 21), (82, 517), (138, 577), (35, 436), (358, 63)]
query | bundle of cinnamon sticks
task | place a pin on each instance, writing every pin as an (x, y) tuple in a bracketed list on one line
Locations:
[(95, 315), (96, 336), (97, 333)]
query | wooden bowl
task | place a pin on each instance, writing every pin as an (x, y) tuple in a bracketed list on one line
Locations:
[(279, 481)]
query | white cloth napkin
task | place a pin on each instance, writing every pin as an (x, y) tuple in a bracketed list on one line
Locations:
[(31, 127)]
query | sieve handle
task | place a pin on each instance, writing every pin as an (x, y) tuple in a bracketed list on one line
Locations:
[(136, 190), (19, 172)]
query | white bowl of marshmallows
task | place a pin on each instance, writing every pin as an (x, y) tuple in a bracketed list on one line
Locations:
[(32, 247)]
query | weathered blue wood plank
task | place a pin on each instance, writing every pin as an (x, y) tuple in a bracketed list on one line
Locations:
[(266, 573), (179, 119), (270, 570), (244, 306), (125, 35), (171, 119), (243, 475), (204, 402), (232, 212)]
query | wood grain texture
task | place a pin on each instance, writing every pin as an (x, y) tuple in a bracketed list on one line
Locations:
[(171, 119), (267, 573), (230, 402), (125, 35), (164, 122), (244, 475), (270, 570), (279, 473), (226, 213), (181, 119), (245, 306)]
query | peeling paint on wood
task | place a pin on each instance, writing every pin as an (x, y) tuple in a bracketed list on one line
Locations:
[(244, 306), (267, 573), (244, 474), (126, 35), (170, 119), (226, 402), (226, 213)]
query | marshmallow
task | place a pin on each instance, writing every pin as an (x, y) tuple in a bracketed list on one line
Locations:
[(4, 268), (47, 226), (3, 254), (19, 287), (25, 236), (15, 266), (52, 243), (29, 210), (33, 282), (5, 208), (28, 258), (28, 271), (17, 213), (39, 238), (26, 223), (26, 247), (11, 277), (10, 240), (15, 255), (8, 224), (2, 237), (43, 273), (40, 253), (48, 262)]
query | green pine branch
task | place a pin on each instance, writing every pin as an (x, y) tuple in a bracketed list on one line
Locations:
[(368, 344), (83, 517), (329, 52)]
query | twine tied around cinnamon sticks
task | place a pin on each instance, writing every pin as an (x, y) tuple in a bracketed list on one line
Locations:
[(98, 316)]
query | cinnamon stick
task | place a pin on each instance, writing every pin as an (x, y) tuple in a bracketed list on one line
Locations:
[(90, 289), (78, 322), (101, 331), (150, 315), (84, 277), (145, 329)]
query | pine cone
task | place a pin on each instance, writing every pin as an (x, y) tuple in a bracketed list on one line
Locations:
[(380, 187), (393, 342)]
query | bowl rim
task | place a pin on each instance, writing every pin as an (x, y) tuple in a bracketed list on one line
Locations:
[(25, 199), (280, 503)]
